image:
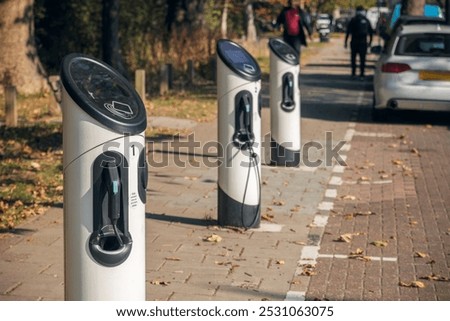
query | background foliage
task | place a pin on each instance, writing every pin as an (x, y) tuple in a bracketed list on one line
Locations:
[(153, 31)]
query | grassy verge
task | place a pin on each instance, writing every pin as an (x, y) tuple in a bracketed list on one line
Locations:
[(30, 172), (199, 104)]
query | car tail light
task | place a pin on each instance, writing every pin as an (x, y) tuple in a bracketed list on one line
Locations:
[(393, 67)]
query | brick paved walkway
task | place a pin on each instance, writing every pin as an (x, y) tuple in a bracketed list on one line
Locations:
[(393, 205)]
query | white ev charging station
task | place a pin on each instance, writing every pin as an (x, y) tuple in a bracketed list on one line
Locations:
[(284, 104), (105, 179), (239, 136)]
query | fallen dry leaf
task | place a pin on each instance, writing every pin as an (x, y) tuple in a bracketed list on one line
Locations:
[(397, 162), (347, 238), (213, 238), (298, 242), (420, 254), (363, 179), (295, 209), (173, 259), (157, 282), (278, 202), (412, 284), (369, 163), (308, 270), (358, 254), (267, 217), (415, 151), (406, 168), (348, 197), (363, 213), (280, 262), (392, 145), (358, 251), (435, 277), (380, 243)]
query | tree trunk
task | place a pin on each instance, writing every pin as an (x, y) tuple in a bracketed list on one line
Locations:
[(224, 24), (19, 62), (413, 7), (251, 29), (110, 36)]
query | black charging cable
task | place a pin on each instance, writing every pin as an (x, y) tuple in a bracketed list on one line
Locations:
[(253, 160)]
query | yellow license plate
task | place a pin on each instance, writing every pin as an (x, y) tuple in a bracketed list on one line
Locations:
[(434, 75)]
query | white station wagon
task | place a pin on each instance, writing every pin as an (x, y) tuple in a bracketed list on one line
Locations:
[(413, 72)]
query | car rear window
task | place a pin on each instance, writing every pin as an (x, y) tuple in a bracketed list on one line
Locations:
[(424, 44)]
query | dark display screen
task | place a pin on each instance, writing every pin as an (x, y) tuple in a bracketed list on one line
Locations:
[(284, 51), (103, 93), (100, 86), (238, 59)]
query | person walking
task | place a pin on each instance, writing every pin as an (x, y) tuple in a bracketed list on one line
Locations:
[(294, 21), (359, 28)]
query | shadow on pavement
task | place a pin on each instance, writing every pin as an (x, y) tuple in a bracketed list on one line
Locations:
[(17, 231), (327, 111), (337, 65), (334, 81), (413, 117), (179, 219)]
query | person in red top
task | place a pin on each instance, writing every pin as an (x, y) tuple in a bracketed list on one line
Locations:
[(294, 21)]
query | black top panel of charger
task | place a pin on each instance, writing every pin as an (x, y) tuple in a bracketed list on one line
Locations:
[(103, 94), (284, 51), (238, 60)]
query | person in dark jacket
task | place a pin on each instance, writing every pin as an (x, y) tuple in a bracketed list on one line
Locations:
[(294, 38), (359, 29)]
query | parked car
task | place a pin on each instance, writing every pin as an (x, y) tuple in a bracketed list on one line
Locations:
[(323, 21), (413, 71)]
